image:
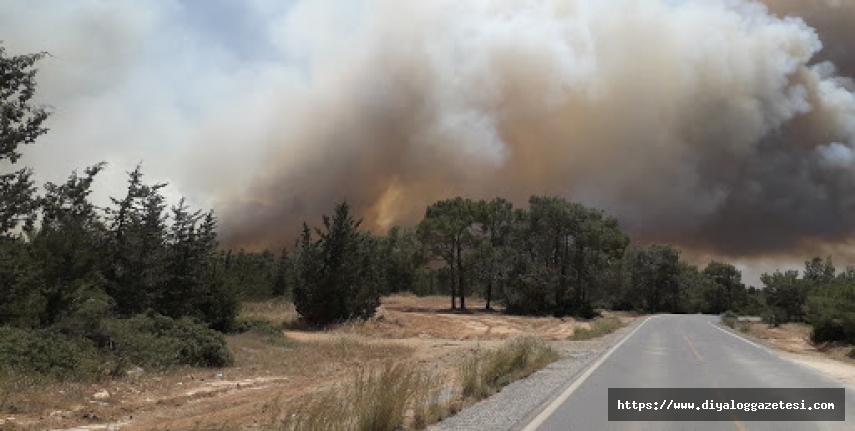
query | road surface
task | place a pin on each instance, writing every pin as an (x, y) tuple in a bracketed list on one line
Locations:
[(682, 351)]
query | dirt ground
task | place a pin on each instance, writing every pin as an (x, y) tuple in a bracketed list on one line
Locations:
[(268, 372), (794, 340)]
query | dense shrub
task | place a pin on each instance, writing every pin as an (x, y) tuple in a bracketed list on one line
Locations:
[(159, 341), (271, 333), (47, 353), (81, 348), (831, 311)]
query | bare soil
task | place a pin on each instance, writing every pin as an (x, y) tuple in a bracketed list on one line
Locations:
[(267, 372), (794, 340)]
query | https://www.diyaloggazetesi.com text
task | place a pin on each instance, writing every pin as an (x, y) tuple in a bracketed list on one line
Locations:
[(726, 404)]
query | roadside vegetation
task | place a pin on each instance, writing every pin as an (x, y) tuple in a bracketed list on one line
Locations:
[(486, 373), (400, 395), (821, 298), (597, 329)]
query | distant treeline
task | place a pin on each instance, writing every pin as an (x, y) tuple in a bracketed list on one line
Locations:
[(554, 257)]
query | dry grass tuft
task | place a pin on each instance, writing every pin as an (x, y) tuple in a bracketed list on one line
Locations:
[(278, 312), (400, 395), (381, 398), (488, 372), (599, 328)]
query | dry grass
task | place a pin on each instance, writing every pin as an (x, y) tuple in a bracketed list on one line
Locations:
[(415, 351), (742, 326), (376, 399), (598, 328), (309, 358), (795, 338), (279, 313), (401, 395), (405, 316), (488, 372), (27, 393), (410, 302)]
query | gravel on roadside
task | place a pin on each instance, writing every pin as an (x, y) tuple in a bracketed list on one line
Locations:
[(519, 400)]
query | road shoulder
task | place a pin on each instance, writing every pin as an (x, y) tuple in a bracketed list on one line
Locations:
[(840, 371), (521, 401)]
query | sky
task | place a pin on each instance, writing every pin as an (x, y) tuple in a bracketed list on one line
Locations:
[(725, 127)]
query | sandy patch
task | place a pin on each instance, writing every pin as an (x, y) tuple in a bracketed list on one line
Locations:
[(794, 340)]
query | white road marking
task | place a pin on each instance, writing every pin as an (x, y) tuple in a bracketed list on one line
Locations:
[(548, 411), (740, 337), (789, 357)]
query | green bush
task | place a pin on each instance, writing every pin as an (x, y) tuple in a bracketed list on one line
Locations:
[(774, 317), (79, 352), (729, 318), (831, 311), (146, 340), (159, 341), (264, 328), (47, 353), (830, 331)]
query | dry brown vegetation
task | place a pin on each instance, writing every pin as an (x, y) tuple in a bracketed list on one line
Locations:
[(794, 340), (597, 328), (416, 341), (402, 394)]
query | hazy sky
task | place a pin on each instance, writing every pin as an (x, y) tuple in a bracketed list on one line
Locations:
[(722, 126)]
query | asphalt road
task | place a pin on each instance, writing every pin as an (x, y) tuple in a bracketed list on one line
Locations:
[(688, 351)]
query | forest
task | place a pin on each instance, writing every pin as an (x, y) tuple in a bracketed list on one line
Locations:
[(88, 291)]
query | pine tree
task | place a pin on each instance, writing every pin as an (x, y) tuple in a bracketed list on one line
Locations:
[(21, 123), (339, 273), (283, 281), (70, 242), (180, 288), (136, 269)]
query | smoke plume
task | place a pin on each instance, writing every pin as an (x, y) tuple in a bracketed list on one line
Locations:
[(726, 127)]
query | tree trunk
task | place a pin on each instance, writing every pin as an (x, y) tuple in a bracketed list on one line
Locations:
[(489, 291), (453, 284), (461, 283), (490, 283)]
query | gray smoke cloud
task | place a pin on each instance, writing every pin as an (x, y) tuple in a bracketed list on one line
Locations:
[(726, 127)]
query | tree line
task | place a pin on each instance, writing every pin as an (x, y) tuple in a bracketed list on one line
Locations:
[(554, 257), (821, 297), (88, 290)]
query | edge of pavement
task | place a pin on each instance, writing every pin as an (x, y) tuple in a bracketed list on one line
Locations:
[(537, 416)]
